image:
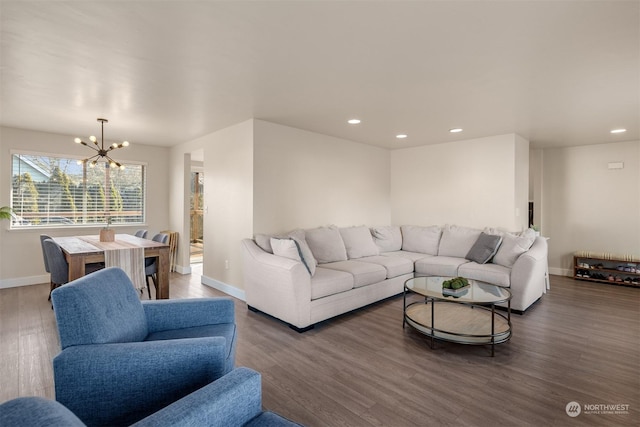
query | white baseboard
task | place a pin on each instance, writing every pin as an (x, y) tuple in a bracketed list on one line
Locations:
[(182, 269), (24, 281), (560, 271), (227, 289)]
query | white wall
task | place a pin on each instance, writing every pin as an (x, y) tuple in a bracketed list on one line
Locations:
[(587, 206), (20, 253), (304, 179), (474, 183), (228, 203)]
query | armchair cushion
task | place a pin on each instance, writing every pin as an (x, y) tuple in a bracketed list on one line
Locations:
[(85, 316)]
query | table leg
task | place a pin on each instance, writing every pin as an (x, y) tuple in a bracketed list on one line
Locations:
[(432, 318), (493, 330), (163, 274), (76, 267)]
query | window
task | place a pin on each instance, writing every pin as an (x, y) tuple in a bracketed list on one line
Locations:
[(48, 190)]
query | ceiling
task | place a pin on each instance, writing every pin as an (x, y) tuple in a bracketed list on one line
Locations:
[(560, 73)]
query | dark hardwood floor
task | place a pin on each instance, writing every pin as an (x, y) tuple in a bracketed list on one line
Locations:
[(580, 343)]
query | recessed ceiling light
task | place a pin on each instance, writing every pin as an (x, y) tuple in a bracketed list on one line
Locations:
[(455, 130), (401, 136), (353, 121), (618, 130)]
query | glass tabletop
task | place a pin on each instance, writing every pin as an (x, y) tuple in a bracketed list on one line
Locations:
[(476, 293)]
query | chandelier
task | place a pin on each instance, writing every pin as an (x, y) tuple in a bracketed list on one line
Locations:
[(100, 150)]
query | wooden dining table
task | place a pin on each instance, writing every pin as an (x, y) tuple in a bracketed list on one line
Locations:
[(82, 250)]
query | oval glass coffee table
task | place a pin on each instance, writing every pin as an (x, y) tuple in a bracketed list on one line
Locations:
[(466, 317)]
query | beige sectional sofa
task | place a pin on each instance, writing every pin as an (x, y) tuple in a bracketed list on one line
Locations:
[(307, 276)]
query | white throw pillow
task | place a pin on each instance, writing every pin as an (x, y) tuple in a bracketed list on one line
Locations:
[(358, 242), (288, 248), (388, 239), (424, 240), (457, 241), (512, 246), (326, 244), (305, 251)]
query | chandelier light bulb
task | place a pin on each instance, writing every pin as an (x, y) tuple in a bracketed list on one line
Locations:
[(79, 162), (77, 140), (114, 145), (92, 164), (93, 138), (125, 144)]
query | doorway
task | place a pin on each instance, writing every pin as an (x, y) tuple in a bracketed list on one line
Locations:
[(196, 214)]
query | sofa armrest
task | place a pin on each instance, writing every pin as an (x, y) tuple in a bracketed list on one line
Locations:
[(163, 315), (276, 285), (232, 400), (528, 275), (118, 384)]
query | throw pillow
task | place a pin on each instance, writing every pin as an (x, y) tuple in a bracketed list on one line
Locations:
[(513, 246), (358, 242), (326, 244), (484, 249), (264, 241), (388, 239), (305, 251), (424, 240), (287, 248), (456, 241)]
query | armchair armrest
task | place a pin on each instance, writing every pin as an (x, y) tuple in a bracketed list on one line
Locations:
[(118, 384), (187, 313), (232, 400)]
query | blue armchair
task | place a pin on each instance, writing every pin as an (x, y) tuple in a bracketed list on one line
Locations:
[(123, 359), (233, 400)]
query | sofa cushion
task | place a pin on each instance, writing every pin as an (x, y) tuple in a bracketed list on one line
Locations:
[(395, 265), (512, 246), (326, 244), (439, 266), (364, 273), (456, 241), (388, 238), (412, 256), (490, 273), (484, 248), (421, 239), (358, 242), (328, 282)]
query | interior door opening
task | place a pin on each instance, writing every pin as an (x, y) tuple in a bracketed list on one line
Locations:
[(196, 232)]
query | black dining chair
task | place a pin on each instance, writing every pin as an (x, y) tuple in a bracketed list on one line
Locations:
[(151, 264)]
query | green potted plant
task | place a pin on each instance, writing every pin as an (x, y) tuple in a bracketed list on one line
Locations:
[(5, 212)]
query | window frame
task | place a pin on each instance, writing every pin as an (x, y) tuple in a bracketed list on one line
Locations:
[(14, 226)]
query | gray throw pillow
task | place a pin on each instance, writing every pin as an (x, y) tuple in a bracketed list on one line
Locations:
[(484, 248)]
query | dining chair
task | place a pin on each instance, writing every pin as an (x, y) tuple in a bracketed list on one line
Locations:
[(141, 233), (43, 237), (56, 263), (151, 264), (58, 266)]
